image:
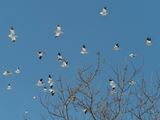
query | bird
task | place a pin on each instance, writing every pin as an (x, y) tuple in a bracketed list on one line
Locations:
[(45, 89), (116, 47), (40, 54), (7, 73), (50, 80), (58, 31), (132, 82), (51, 90), (85, 110), (9, 87), (12, 35), (59, 57), (64, 64), (84, 50), (112, 84), (132, 55), (148, 41), (40, 82), (17, 71), (104, 12)]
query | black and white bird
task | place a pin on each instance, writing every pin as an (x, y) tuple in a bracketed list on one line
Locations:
[(40, 54), (40, 83), (17, 71), (45, 89), (85, 111), (112, 84), (51, 90), (50, 80), (65, 64), (7, 73), (104, 12), (58, 31), (148, 41), (116, 47), (59, 57), (9, 87), (132, 55), (84, 50), (12, 35)]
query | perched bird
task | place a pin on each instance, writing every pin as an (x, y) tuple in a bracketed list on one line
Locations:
[(9, 87), (112, 84), (132, 55), (59, 57), (50, 80), (64, 64), (40, 54), (17, 71), (132, 82), (40, 82), (12, 34), (148, 41), (104, 12), (58, 31), (116, 47), (85, 111), (84, 50), (7, 73)]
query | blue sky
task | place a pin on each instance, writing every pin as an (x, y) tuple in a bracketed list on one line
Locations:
[(129, 23)]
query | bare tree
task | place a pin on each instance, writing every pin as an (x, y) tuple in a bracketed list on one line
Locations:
[(126, 95)]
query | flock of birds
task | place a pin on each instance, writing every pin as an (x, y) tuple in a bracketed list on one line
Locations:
[(63, 61)]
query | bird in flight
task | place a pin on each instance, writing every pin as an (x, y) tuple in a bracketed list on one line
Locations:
[(40, 54), (64, 64), (148, 41), (12, 35), (116, 47), (58, 31), (84, 50), (9, 87), (104, 12), (7, 73), (132, 55), (17, 71), (40, 82)]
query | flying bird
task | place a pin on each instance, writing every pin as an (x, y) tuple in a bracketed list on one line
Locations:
[(12, 35), (17, 71), (116, 47), (50, 80), (40, 54), (9, 87), (7, 73), (132, 55), (45, 89), (64, 64), (51, 90), (59, 57), (40, 82), (58, 31), (148, 41), (84, 50), (104, 12)]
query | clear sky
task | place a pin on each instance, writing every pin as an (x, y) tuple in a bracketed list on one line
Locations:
[(129, 22)]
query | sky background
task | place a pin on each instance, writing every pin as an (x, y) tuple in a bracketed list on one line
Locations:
[(129, 22)]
